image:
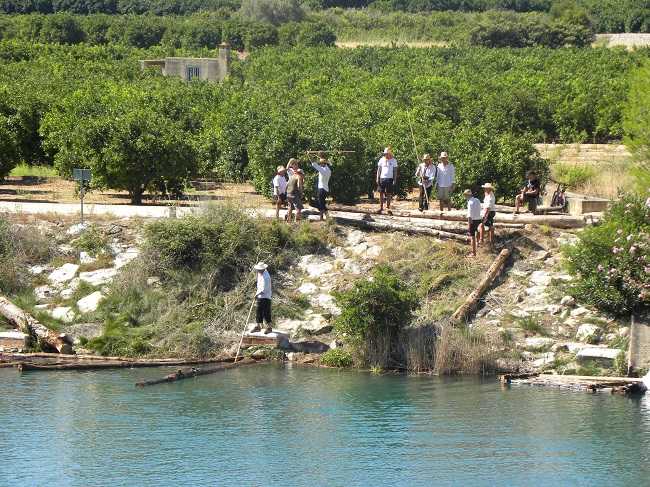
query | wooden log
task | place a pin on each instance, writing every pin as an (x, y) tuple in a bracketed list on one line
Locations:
[(59, 357), (195, 372), (557, 221), (31, 326), (495, 269), (106, 364), (410, 229)]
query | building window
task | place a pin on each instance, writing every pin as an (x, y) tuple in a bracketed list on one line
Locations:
[(193, 72)]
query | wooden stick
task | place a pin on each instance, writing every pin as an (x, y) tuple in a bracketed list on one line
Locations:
[(495, 269), (31, 326), (195, 372), (250, 310)]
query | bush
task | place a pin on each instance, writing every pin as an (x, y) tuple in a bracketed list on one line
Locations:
[(275, 12), (611, 260), (373, 312), (574, 176), (91, 240), (336, 357)]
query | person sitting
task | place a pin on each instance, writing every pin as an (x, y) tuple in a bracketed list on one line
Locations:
[(529, 193), (280, 190), (489, 212), (425, 175), (473, 217)]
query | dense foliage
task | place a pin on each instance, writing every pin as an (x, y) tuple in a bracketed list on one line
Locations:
[(612, 260), (484, 106)]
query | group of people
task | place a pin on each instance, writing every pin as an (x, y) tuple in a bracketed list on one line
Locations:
[(288, 189)]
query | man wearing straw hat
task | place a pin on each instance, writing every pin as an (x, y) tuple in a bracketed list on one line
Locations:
[(386, 179), (324, 174), (263, 297), (280, 190), (489, 211), (445, 181), (425, 175), (474, 219)]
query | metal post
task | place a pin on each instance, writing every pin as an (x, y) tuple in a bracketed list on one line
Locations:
[(82, 202)]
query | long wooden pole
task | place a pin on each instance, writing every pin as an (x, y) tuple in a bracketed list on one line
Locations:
[(195, 372), (31, 326), (495, 269), (241, 340)]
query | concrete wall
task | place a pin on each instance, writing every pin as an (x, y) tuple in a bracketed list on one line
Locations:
[(208, 69)]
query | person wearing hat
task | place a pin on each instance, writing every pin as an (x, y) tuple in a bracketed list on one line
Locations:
[(292, 166), (445, 181), (386, 179), (263, 298), (489, 211), (295, 188), (324, 174), (425, 174), (474, 218), (529, 193), (280, 190)]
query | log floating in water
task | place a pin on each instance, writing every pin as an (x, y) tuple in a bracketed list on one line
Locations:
[(615, 385), (195, 372), (495, 269), (557, 221), (31, 326)]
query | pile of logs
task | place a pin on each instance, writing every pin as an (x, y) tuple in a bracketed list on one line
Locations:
[(48, 339)]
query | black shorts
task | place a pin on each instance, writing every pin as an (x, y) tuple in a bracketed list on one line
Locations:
[(489, 220), (282, 198), (386, 185), (532, 202), (473, 227)]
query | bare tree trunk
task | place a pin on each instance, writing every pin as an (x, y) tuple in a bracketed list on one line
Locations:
[(400, 227), (48, 339), (495, 269)]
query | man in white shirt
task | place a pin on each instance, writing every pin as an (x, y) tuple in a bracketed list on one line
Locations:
[(280, 190), (445, 181), (387, 173), (324, 174), (489, 211), (425, 175), (474, 218), (263, 297)]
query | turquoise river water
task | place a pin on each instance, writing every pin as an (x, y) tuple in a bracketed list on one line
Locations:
[(292, 426)]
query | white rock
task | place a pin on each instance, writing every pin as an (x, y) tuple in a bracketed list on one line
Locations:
[(63, 274), (520, 313), (598, 354), (373, 252), (540, 278), (518, 273), (314, 266), (624, 331), (545, 359), (90, 302), (360, 249), (291, 356), (153, 281), (611, 336), (536, 291), (86, 258), (67, 293), (554, 309), (66, 249), (44, 292), (564, 277), (539, 255), (37, 270), (77, 229), (352, 267), (588, 331), (338, 252), (538, 342), (574, 347), (355, 237), (98, 277), (308, 288), (63, 313), (42, 306), (326, 301), (579, 312), (125, 257)]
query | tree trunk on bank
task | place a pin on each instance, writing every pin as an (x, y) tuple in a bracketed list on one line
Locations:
[(399, 227), (470, 303), (49, 340)]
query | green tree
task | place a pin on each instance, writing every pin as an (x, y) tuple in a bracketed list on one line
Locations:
[(125, 135), (274, 11)]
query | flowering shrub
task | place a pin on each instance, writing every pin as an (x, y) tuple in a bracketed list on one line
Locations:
[(612, 260)]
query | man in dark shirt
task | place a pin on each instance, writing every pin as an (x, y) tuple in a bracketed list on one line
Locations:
[(529, 193)]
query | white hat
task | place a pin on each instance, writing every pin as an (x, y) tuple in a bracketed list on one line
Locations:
[(280, 168), (443, 155), (426, 157), (467, 192), (388, 149), (261, 266), (488, 186)]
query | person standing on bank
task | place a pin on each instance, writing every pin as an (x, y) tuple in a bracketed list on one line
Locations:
[(425, 175), (295, 188), (324, 174), (387, 173), (292, 166), (529, 193), (280, 190), (263, 298), (445, 181), (473, 217), (489, 211)]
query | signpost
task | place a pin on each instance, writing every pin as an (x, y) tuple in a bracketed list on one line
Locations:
[(82, 176)]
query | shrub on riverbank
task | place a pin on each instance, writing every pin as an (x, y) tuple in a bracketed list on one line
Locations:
[(612, 260)]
